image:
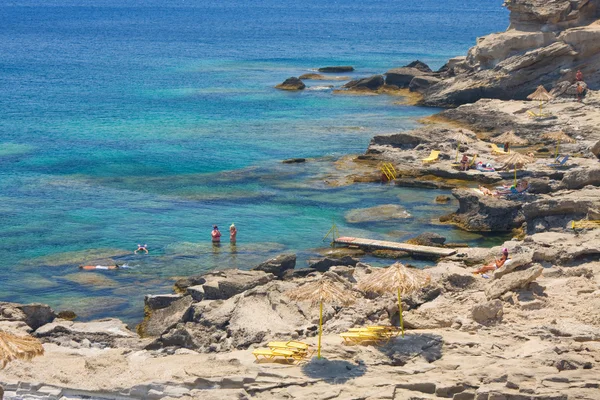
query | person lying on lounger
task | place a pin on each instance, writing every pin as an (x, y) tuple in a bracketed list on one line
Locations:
[(484, 167), (495, 264)]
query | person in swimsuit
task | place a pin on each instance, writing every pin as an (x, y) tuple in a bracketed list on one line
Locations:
[(142, 248), (91, 267), (215, 234), (232, 233), (494, 265)]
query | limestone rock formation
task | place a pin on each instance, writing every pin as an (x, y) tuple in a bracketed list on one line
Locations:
[(546, 43), (370, 83), (278, 265), (345, 68), (292, 83), (34, 315)]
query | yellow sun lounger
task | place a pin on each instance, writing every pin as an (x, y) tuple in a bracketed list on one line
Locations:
[(271, 354), (360, 337), (586, 224), (292, 345), (497, 150), (432, 157)]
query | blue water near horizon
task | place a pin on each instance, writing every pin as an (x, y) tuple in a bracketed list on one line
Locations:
[(148, 121)]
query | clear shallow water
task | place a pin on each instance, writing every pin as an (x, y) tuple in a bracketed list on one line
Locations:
[(128, 122)]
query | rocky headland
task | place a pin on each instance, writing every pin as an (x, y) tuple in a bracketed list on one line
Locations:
[(529, 331)]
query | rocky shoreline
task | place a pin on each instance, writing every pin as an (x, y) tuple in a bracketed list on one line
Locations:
[(530, 331)]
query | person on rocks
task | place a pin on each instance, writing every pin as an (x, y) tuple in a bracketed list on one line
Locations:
[(506, 147), (579, 76), (464, 162), (215, 234), (495, 264), (232, 233), (579, 91)]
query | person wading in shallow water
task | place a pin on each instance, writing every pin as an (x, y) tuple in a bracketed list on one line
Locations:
[(232, 233), (215, 235)]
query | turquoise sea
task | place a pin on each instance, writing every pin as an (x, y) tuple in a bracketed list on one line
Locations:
[(130, 121)]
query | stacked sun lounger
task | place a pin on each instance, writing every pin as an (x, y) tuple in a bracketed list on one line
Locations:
[(372, 334), (290, 350)]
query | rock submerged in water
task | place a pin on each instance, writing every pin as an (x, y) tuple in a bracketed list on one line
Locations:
[(292, 83), (374, 82), (385, 212), (345, 68)]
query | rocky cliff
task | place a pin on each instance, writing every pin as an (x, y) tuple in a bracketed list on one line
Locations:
[(546, 43)]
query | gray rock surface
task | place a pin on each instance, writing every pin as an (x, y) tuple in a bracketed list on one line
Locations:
[(488, 311), (278, 265), (374, 82), (514, 280), (34, 315), (292, 83), (163, 319), (158, 301)]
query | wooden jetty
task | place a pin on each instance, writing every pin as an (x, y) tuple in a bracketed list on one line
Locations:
[(382, 244)]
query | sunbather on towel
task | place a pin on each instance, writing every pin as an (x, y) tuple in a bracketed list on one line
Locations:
[(484, 167), (494, 265)]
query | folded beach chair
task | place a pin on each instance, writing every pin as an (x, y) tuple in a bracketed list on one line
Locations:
[(271, 354), (558, 164), (497, 150), (300, 348), (432, 157), (361, 337)]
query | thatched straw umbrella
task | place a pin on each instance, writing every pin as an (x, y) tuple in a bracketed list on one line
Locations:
[(559, 136), (461, 137), (541, 95), (325, 289), (516, 161), (14, 347), (396, 279), (510, 138)]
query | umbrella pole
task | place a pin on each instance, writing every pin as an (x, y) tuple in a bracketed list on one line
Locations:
[(320, 328), (540, 108), (457, 150), (556, 155), (515, 176), (400, 311)]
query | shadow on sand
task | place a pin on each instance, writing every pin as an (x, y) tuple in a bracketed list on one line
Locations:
[(332, 371), (400, 350)]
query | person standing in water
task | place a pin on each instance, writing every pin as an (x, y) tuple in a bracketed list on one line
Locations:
[(232, 233), (216, 235)]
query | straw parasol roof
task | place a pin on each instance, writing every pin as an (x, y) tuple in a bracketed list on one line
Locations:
[(395, 277), (560, 136), (515, 160), (324, 290), (14, 347), (540, 94), (509, 137), (461, 136)]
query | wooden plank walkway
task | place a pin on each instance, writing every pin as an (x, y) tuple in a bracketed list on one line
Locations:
[(382, 244)]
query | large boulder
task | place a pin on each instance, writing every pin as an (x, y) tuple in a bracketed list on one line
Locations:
[(512, 281), (278, 265), (421, 84), (158, 301), (374, 82), (324, 264), (596, 149), (486, 213), (182, 284), (107, 331), (345, 68), (488, 311), (428, 239), (579, 178), (569, 203), (34, 315), (401, 77), (159, 321), (292, 83), (420, 65), (227, 283), (535, 15)]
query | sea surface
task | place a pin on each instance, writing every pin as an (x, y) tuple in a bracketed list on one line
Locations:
[(130, 121)]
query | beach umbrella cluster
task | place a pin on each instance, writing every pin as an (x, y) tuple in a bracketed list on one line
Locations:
[(559, 136), (397, 279)]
